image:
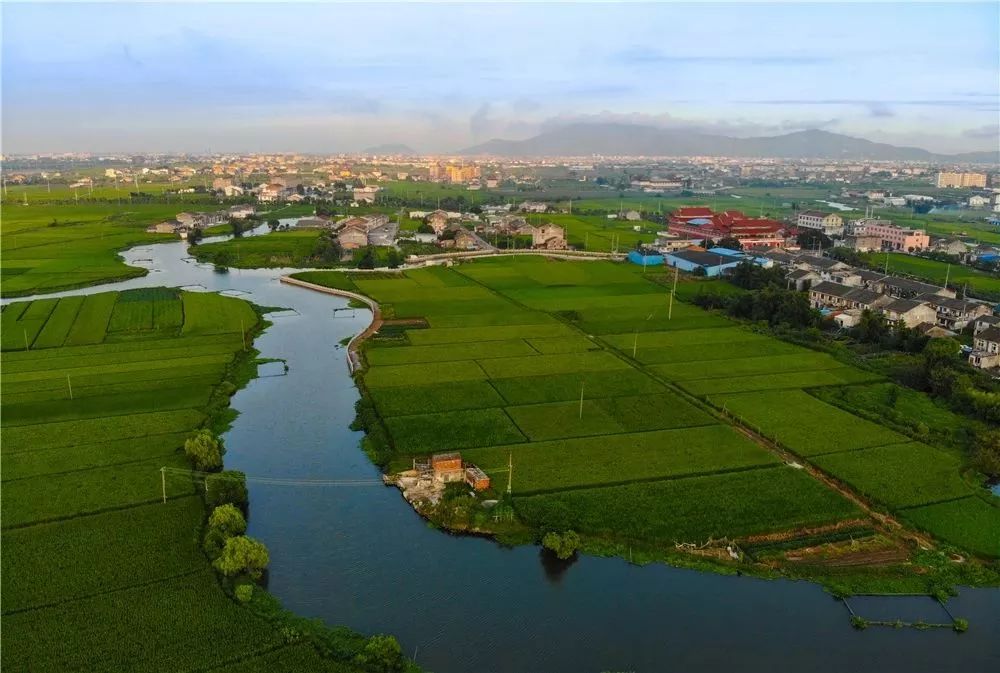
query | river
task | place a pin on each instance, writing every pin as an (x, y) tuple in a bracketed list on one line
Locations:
[(358, 555)]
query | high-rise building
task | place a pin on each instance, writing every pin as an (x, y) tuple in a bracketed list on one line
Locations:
[(949, 179)]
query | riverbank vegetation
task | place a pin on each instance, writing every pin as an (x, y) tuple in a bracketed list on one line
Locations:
[(652, 425), (108, 534)]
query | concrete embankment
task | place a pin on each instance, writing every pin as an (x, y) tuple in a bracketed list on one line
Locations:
[(353, 359)]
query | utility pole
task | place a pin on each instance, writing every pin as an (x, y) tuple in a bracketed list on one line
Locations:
[(25, 339), (69, 384), (635, 342), (163, 483), (243, 334), (673, 290), (581, 398), (947, 273), (510, 470)]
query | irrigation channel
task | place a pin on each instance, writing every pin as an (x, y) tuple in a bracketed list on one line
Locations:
[(356, 553)]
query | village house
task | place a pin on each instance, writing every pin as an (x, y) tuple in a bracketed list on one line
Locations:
[(909, 312), (365, 194), (863, 242), (986, 349), (828, 294), (830, 224), (313, 223), (241, 212), (956, 314), (905, 288), (166, 227), (534, 207), (199, 220), (951, 246), (548, 236), (802, 279), (352, 236), (476, 478), (984, 322), (269, 193), (383, 234), (437, 220), (447, 467)]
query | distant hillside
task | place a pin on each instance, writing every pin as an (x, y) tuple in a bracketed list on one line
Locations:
[(635, 140), (392, 148)]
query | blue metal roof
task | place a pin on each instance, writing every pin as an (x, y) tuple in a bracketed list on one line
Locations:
[(699, 221)]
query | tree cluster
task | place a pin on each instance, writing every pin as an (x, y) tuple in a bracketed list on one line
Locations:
[(563, 545)]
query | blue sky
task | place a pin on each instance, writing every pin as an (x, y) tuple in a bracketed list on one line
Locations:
[(342, 77)]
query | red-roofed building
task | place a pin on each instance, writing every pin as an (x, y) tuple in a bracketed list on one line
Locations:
[(701, 224)]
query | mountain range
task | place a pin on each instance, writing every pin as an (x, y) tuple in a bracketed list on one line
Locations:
[(617, 139)]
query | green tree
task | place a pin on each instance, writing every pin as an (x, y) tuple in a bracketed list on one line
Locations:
[(563, 545), (228, 519), (729, 242), (243, 555), (986, 454), (205, 450), (382, 654), (940, 351), (367, 260), (228, 486), (872, 328), (273, 223), (810, 239), (328, 248)]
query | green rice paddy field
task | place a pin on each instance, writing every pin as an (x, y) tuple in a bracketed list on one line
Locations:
[(620, 413), (99, 574)]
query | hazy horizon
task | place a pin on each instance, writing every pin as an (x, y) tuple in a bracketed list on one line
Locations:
[(441, 77)]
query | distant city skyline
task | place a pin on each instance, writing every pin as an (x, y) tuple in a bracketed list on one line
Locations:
[(439, 77)]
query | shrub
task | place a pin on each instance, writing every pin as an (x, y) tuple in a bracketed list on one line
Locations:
[(243, 555), (961, 625), (381, 653), (244, 593), (227, 487), (564, 546), (205, 450)]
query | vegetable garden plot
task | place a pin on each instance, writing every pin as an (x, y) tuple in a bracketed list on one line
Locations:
[(86, 456), (423, 374), (587, 462), (970, 522), (60, 322), (101, 553), (399, 355), (692, 509), (430, 433), (70, 494), (558, 387), (563, 419), (539, 365), (452, 396), (804, 379), (899, 475), (804, 424)]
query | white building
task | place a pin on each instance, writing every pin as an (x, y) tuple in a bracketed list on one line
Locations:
[(830, 224)]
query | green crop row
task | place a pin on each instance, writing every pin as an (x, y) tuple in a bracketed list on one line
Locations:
[(586, 462), (692, 509)]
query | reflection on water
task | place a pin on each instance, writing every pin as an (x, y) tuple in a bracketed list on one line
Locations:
[(358, 554)]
